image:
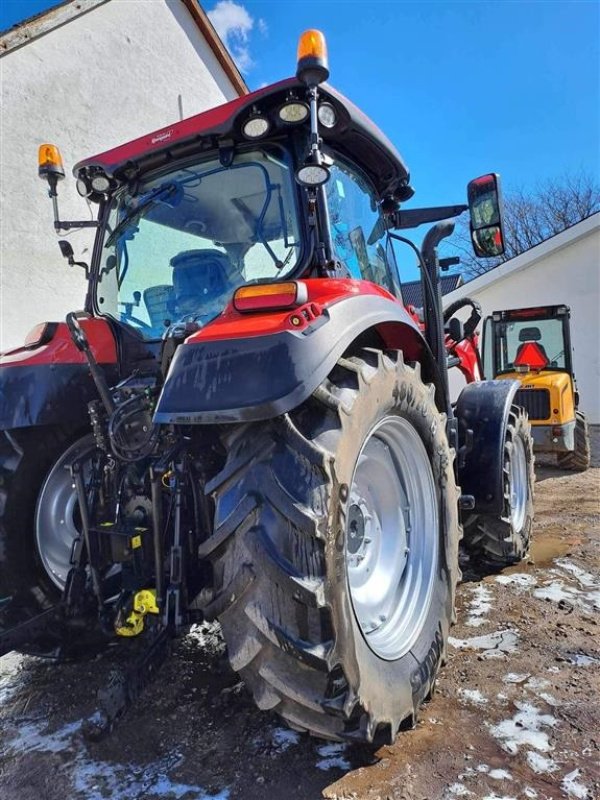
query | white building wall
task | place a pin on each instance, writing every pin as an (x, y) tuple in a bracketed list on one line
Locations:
[(564, 269), (102, 78)]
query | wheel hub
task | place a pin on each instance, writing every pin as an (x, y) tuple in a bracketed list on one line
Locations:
[(391, 537)]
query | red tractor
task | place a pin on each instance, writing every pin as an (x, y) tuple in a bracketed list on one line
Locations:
[(246, 424)]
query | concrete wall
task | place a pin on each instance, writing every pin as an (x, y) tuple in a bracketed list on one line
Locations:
[(564, 269), (101, 78)]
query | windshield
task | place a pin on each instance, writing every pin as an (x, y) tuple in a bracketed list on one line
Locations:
[(537, 343), (179, 247)]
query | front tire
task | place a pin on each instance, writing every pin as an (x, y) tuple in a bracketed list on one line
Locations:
[(579, 459), (38, 514), (365, 457), (498, 541)]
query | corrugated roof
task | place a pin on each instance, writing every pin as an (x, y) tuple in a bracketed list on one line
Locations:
[(411, 290)]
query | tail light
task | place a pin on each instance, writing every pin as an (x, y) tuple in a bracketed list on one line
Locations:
[(270, 296)]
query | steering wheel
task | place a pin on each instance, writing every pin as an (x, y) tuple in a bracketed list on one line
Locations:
[(475, 317)]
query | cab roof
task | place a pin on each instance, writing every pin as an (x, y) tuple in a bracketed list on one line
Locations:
[(353, 136)]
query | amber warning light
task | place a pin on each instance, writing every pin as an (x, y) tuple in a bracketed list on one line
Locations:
[(270, 296), (50, 162), (313, 66)]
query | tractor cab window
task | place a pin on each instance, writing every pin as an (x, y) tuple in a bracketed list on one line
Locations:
[(178, 247), (359, 240), (536, 343)]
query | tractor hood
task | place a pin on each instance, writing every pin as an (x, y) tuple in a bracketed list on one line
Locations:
[(353, 135)]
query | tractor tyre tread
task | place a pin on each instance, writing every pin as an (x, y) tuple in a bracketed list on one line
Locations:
[(579, 459), (273, 530), (491, 540)]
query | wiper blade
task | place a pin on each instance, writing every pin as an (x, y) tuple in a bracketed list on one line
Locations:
[(163, 192)]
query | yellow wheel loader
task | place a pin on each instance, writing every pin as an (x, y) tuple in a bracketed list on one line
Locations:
[(533, 346)]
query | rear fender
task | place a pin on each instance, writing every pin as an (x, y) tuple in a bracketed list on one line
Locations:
[(274, 368), (482, 412), (50, 384)]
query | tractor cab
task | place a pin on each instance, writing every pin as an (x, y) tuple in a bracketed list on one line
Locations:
[(533, 346)]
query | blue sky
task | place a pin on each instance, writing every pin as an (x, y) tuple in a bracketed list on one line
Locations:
[(461, 88)]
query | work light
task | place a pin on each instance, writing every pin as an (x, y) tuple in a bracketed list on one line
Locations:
[(255, 126)]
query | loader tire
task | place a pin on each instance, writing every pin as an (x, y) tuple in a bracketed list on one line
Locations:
[(579, 459), (499, 541), (335, 551), (28, 457)]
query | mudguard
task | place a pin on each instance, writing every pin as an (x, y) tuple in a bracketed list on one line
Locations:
[(50, 384), (482, 413), (259, 376)]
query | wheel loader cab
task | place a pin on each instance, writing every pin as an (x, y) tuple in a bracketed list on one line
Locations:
[(533, 346)]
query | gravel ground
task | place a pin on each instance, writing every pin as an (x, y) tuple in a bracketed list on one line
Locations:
[(516, 714)]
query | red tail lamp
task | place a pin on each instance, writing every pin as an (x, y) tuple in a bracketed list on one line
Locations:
[(270, 296)]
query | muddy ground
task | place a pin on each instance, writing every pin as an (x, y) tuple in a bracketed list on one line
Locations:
[(516, 713)]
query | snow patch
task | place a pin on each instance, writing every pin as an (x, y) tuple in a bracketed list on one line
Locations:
[(500, 775), (10, 667), (333, 757), (573, 788), (583, 660), (524, 728), (284, 738), (549, 698), (534, 684), (498, 797), (515, 677), (529, 792), (479, 606), (540, 764), (493, 645), (473, 696), (556, 591), (208, 636), (519, 579), (459, 790), (98, 780), (585, 579)]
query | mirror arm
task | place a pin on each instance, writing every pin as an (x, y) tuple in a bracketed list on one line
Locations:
[(63, 224), (66, 225), (417, 216)]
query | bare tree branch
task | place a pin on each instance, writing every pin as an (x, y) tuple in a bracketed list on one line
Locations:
[(530, 217)]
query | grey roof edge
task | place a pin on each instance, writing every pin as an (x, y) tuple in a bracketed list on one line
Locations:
[(579, 230), (40, 24)]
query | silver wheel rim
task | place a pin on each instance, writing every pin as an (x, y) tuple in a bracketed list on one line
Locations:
[(392, 537), (56, 515), (518, 484)]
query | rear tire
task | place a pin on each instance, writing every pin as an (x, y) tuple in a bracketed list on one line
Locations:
[(579, 459), (285, 547), (500, 541)]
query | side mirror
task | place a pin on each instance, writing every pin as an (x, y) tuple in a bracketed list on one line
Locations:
[(485, 207), (67, 252)]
